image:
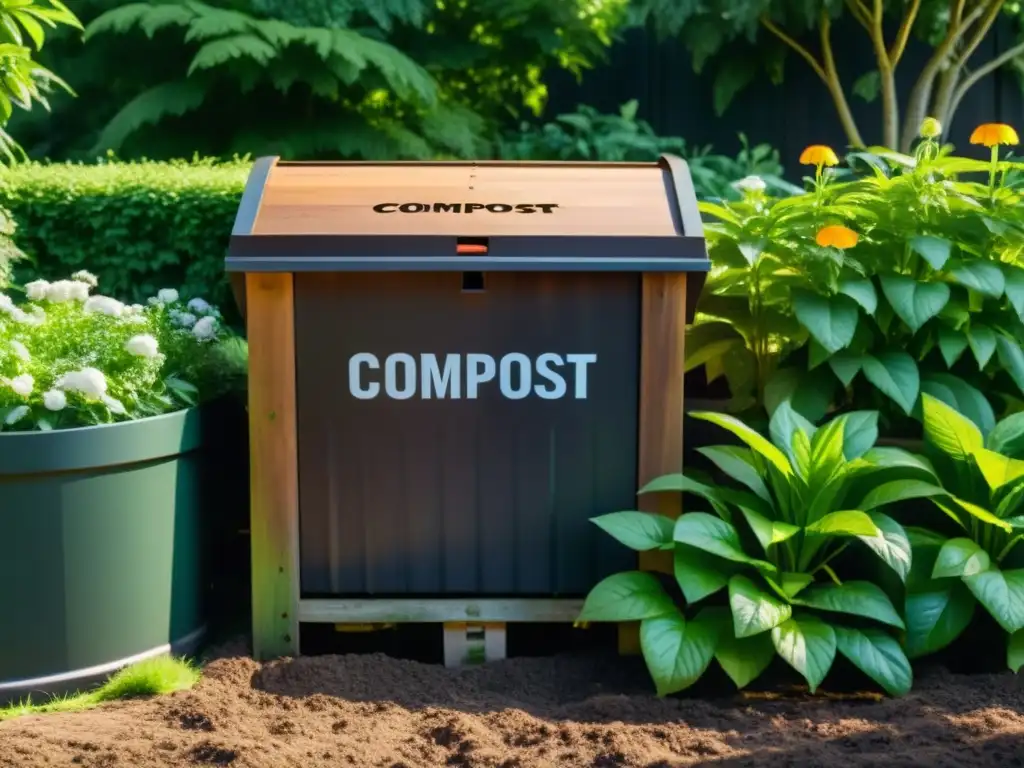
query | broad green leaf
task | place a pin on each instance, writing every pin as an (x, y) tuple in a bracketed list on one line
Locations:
[(983, 343), (713, 535), (768, 532), (681, 483), (934, 250), (861, 291), (952, 344), (960, 557), (846, 365), (808, 645), (962, 397), (1012, 359), (900, 490), (860, 598), (1015, 288), (752, 438), (698, 573), (982, 276), (915, 303), (973, 509), (808, 393), (860, 433), (677, 651), (895, 374), (1002, 595), (706, 341), (629, 596), (789, 584), (1007, 437), (1014, 651), (997, 469), (890, 457), (878, 655), (751, 250), (953, 434), (754, 610), (937, 617), (784, 423), (640, 531), (744, 658), (850, 522), (890, 544), (832, 321), (1016, 522), (739, 464)]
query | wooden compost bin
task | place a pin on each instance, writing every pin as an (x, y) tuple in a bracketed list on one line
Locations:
[(453, 366)]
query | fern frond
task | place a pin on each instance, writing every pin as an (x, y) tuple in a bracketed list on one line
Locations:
[(149, 108), (408, 79), (278, 33), (455, 128), (149, 18), (328, 139), (218, 23), (218, 52), (408, 145)]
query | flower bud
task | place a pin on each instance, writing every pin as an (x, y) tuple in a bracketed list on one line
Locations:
[(930, 128)]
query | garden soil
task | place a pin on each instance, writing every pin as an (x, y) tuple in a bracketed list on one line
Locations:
[(374, 711)]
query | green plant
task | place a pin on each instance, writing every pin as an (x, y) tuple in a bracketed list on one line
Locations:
[(974, 480), (771, 546), (153, 677), (69, 359), (138, 226), (924, 294), (732, 33)]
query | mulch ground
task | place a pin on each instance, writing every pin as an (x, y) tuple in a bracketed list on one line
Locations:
[(583, 710)]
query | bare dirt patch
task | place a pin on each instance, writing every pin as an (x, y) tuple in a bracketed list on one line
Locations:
[(585, 710)]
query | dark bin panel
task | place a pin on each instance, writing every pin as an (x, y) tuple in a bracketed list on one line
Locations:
[(488, 496)]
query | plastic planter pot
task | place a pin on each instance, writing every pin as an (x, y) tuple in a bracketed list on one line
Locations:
[(100, 550)]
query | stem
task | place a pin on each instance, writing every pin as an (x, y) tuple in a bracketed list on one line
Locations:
[(832, 575), (971, 80), (835, 86), (890, 107), (903, 36), (991, 13), (807, 55), (993, 169), (824, 563), (1009, 545), (944, 95)]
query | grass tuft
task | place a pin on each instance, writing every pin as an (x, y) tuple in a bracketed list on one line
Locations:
[(152, 677)]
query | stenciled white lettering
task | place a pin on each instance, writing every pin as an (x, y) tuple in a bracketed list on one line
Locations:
[(461, 376)]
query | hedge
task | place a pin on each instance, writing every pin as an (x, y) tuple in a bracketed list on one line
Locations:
[(138, 226)]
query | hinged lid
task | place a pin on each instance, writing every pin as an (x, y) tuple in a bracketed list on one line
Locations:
[(506, 216)]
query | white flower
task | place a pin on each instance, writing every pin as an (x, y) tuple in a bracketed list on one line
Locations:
[(36, 290), (115, 405), (55, 400), (89, 381), (184, 319), (133, 309), (205, 329), (142, 345), (67, 290), (103, 305), (6, 303), (751, 184), (16, 415), (199, 306), (167, 295), (88, 278), (20, 350), (22, 385)]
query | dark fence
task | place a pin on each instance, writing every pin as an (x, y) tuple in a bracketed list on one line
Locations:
[(790, 116)]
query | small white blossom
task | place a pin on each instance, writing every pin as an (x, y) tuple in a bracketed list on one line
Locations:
[(184, 319), (16, 414), (6, 303), (199, 306), (89, 381), (55, 400), (22, 385), (67, 290), (751, 184), (37, 289), (167, 295), (103, 305), (142, 345), (88, 278), (20, 350), (205, 328), (115, 405), (134, 309)]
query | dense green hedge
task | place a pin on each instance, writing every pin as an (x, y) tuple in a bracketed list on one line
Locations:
[(138, 226)]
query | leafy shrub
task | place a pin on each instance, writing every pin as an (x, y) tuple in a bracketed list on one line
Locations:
[(138, 226), (587, 134), (910, 277), (771, 547), (70, 359), (970, 557)]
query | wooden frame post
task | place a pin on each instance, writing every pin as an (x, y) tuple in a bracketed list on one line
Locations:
[(273, 449), (662, 351)]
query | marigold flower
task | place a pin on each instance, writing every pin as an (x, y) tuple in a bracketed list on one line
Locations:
[(819, 155), (836, 236), (994, 134)]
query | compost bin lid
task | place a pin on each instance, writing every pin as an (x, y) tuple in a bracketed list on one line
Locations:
[(438, 216)]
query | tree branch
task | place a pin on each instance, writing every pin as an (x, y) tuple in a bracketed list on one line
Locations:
[(807, 55), (991, 13), (903, 36), (834, 85), (860, 13), (985, 69)]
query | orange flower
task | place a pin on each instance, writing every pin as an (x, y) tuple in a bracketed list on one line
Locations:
[(819, 155), (994, 134), (836, 236)]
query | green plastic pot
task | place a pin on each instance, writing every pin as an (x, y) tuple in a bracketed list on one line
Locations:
[(100, 550)]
